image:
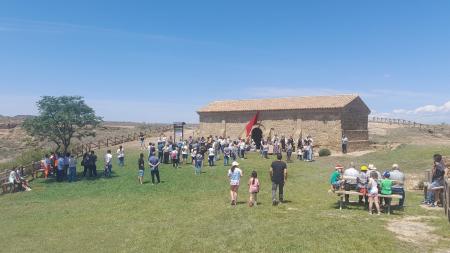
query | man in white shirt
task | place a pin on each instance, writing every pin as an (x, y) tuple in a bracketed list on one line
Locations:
[(211, 156), (108, 163)]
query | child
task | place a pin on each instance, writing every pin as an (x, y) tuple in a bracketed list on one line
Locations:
[(373, 192), (386, 186), (335, 179), (174, 156), (253, 184), (141, 166)]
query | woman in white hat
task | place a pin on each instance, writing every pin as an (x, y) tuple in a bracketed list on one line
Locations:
[(234, 174)]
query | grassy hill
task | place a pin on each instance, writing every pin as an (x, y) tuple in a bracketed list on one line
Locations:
[(188, 213)]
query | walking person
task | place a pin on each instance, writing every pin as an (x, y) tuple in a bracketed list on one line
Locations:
[(234, 174), (108, 164), (72, 168), (278, 174), (154, 163), (253, 185), (141, 167), (198, 163), (121, 156), (344, 144)]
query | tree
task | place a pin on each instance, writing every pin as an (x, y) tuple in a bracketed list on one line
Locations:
[(62, 118)]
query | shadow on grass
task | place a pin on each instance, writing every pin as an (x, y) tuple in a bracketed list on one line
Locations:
[(52, 179)]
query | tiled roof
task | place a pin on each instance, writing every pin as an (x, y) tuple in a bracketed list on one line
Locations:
[(289, 103)]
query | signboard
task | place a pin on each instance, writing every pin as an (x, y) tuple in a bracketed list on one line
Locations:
[(178, 130)]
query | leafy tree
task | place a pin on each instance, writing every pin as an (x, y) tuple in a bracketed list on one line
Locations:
[(62, 118)]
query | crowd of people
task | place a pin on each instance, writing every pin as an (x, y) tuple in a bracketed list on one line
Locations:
[(166, 151), (64, 166), (367, 180), (303, 147)]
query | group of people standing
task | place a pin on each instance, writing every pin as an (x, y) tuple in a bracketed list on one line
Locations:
[(64, 166), (303, 147), (60, 165)]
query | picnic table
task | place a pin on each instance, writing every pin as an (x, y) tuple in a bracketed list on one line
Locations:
[(342, 193)]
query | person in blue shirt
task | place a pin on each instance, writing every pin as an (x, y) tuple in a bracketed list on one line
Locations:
[(60, 170), (154, 163)]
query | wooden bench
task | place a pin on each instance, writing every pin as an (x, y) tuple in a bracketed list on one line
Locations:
[(342, 193), (441, 192), (4, 181)]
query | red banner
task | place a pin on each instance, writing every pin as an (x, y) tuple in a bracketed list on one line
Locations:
[(251, 123)]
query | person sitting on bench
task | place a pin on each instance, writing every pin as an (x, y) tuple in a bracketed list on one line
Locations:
[(350, 177), (22, 181), (386, 187), (437, 181), (335, 179), (362, 184), (398, 179)]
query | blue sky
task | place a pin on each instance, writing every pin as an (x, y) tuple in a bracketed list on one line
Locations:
[(159, 61)]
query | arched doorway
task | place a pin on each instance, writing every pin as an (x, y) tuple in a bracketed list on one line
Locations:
[(257, 136)]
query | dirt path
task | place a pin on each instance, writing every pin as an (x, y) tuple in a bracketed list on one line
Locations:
[(415, 230)]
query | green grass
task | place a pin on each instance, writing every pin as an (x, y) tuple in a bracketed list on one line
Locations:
[(188, 213)]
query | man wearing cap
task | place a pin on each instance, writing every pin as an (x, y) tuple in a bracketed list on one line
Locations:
[(350, 177), (398, 179), (278, 174)]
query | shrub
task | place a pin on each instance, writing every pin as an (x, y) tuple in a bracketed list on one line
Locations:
[(324, 152)]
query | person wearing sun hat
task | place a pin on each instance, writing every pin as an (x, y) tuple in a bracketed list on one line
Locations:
[(372, 168), (234, 174)]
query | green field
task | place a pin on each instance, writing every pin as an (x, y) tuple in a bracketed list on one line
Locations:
[(188, 213)]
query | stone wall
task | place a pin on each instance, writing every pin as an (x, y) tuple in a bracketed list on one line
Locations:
[(323, 125)]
